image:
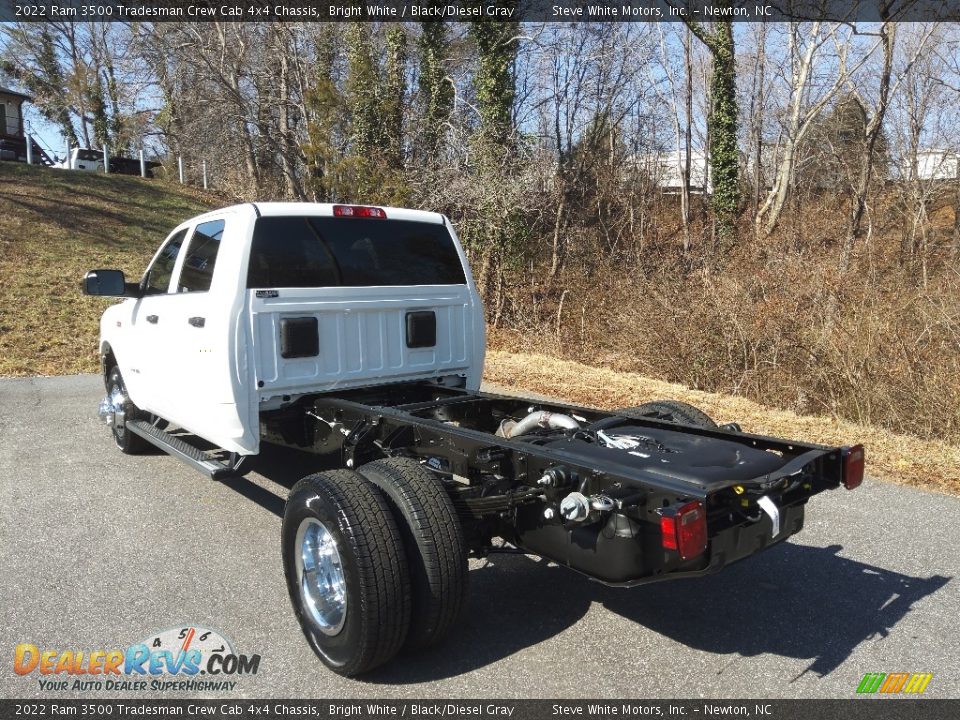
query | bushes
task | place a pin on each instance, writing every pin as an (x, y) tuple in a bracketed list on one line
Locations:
[(761, 325)]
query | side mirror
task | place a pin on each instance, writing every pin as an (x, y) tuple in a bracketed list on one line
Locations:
[(108, 283)]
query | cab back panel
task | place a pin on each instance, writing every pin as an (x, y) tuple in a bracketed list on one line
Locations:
[(362, 336)]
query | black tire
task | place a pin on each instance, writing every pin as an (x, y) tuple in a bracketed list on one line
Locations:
[(374, 570), (675, 411), (127, 442), (434, 543)]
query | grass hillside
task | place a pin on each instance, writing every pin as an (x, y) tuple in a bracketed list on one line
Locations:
[(55, 225)]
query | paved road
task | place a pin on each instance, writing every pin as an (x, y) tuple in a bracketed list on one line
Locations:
[(99, 550)]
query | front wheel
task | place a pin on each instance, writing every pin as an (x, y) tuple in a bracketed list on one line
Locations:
[(346, 571), (117, 408)]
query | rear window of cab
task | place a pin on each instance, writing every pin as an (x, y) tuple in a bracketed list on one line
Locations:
[(312, 252)]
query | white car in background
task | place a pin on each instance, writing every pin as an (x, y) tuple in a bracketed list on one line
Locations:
[(82, 159)]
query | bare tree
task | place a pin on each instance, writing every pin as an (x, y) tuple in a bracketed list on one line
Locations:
[(887, 38), (78, 76), (682, 103), (805, 42)]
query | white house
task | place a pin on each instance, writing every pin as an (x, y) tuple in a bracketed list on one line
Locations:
[(938, 165)]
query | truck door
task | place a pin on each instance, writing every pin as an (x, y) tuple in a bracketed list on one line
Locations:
[(198, 375), (145, 355)]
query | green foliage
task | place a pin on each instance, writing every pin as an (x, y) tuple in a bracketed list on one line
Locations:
[(328, 126), (118, 130), (436, 90), (723, 129), (98, 111), (836, 146), (361, 90), (493, 80), (356, 134), (723, 124), (500, 239), (369, 180), (326, 108), (394, 96)]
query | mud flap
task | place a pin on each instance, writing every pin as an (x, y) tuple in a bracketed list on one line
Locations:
[(772, 511)]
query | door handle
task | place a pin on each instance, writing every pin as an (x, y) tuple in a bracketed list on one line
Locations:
[(152, 319), (197, 322)]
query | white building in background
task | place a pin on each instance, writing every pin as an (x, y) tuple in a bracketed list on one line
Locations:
[(667, 170), (937, 165)]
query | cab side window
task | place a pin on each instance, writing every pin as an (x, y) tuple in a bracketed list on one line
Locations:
[(157, 279), (201, 257)]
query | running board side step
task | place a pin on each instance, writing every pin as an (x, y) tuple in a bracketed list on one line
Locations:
[(184, 451)]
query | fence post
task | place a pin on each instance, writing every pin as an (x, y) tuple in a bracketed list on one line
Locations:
[(106, 160), (204, 174), (180, 167), (143, 165), (29, 149)]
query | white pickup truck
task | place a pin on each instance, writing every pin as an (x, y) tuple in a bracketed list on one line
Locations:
[(356, 332)]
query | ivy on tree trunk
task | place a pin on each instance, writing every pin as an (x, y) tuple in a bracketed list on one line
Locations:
[(436, 88), (497, 243), (722, 124)]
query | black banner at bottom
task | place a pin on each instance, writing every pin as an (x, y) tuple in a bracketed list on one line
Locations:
[(873, 708)]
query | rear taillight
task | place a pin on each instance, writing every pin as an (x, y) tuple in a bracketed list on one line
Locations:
[(684, 529), (852, 466), (359, 211)]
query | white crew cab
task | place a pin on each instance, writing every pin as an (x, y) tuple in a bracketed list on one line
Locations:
[(248, 308)]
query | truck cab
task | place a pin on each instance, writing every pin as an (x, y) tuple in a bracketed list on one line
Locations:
[(249, 308)]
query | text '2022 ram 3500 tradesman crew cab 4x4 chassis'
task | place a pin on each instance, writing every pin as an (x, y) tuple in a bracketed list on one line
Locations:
[(358, 331)]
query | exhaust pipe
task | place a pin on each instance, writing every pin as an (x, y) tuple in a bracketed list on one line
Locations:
[(542, 419)]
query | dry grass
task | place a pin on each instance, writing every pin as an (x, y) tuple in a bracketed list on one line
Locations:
[(901, 458), (55, 225)]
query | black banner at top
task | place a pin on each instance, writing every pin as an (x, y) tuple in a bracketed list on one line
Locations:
[(479, 10)]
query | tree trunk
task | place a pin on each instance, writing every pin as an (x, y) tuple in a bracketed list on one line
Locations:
[(287, 146), (687, 144), (556, 254), (888, 35), (724, 155), (722, 126)]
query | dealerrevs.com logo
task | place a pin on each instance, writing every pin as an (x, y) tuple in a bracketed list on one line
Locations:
[(186, 658)]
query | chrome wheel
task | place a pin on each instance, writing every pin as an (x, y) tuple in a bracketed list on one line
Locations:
[(320, 576), (111, 408)]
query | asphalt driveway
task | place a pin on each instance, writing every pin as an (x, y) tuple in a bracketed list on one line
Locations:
[(99, 550)]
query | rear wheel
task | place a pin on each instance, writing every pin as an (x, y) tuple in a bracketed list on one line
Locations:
[(674, 411), (346, 571), (123, 410), (434, 544)]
